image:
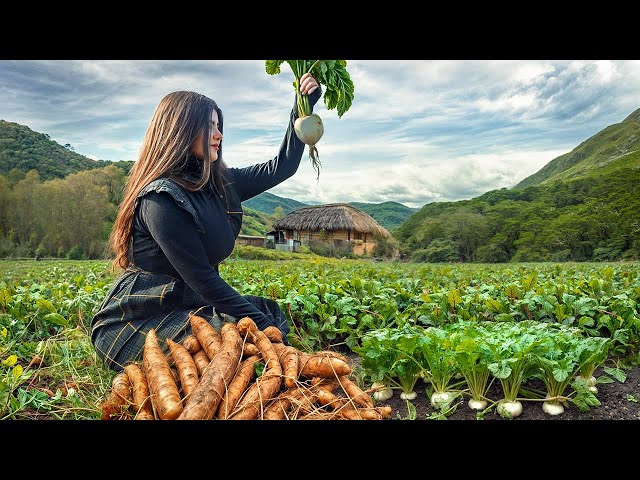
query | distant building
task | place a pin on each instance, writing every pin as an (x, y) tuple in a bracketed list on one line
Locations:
[(335, 222), (251, 240)]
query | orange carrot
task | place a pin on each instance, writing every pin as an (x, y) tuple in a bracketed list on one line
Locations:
[(321, 365), (342, 408), (203, 402), (141, 399), (250, 349), (119, 397), (354, 392), (279, 408), (295, 403), (329, 384), (329, 399), (201, 360), (325, 363), (289, 360), (237, 386), (267, 385), (165, 396), (186, 366), (191, 343), (209, 337), (273, 333), (375, 413)]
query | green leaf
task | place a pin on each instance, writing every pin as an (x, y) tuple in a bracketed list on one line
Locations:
[(259, 368), (273, 66), (5, 298), (332, 74), (454, 298), (45, 304), (16, 372), (56, 319), (10, 360), (616, 373)]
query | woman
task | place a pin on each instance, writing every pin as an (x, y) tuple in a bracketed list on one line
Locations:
[(179, 218)]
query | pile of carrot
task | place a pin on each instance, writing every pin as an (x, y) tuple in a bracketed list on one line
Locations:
[(237, 373)]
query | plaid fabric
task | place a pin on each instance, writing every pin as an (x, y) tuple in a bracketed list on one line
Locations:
[(139, 301)]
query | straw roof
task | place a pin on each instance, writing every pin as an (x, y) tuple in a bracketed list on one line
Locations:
[(331, 217)]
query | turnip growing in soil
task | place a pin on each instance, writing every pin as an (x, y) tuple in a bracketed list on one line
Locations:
[(338, 93), (511, 349), (438, 357), (467, 340), (389, 356)]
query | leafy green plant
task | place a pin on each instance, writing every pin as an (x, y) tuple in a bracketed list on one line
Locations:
[(592, 351), (12, 375), (558, 358), (437, 356), (338, 94), (510, 348), (390, 357), (467, 339)]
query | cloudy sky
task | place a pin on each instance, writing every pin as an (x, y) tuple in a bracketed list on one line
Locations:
[(418, 131)]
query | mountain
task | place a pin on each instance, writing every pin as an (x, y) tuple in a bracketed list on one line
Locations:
[(23, 149), (388, 214), (609, 145), (581, 206), (268, 202)]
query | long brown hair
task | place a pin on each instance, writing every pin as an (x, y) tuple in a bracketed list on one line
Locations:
[(167, 152)]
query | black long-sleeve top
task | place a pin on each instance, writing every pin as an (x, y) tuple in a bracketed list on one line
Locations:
[(172, 238)]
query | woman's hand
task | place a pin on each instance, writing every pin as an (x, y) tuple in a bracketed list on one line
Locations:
[(308, 84)]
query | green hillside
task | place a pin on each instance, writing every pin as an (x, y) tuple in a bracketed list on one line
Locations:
[(268, 202), (607, 146), (22, 149), (255, 223), (388, 214), (582, 206)]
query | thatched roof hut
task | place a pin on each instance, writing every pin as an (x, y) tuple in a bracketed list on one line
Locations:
[(331, 217)]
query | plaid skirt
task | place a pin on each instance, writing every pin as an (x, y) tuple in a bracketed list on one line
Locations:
[(139, 301)]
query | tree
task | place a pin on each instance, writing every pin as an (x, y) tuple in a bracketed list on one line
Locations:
[(441, 250), (468, 231), (385, 247), (22, 213)]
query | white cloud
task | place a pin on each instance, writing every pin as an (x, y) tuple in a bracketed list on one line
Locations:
[(415, 182)]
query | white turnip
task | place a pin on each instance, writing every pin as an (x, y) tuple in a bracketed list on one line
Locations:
[(442, 399), (338, 93), (509, 408), (477, 404), (309, 130), (409, 395), (552, 407), (381, 391), (590, 382)]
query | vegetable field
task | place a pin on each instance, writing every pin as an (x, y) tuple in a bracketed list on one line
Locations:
[(478, 337)]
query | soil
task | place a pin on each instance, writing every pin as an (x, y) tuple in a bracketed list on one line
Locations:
[(618, 401)]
